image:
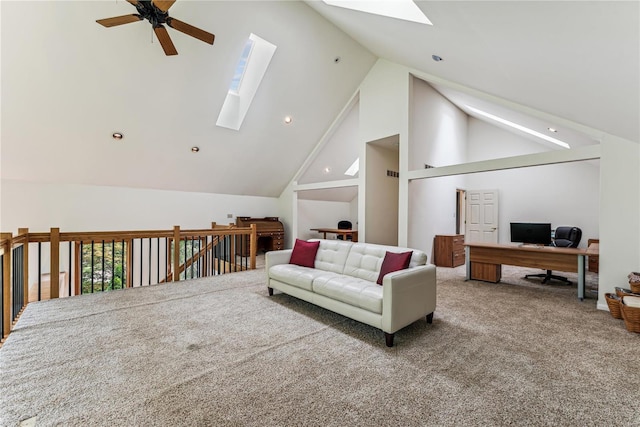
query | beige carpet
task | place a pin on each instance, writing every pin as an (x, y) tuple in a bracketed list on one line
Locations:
[(220, 352)]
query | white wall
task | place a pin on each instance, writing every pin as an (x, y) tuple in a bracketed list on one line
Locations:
[(72, 207), (321, 214), (343, 140), (383, 113), (383, 99), (619, 214), (287, 211), (437, 129), (566, 194), (438, 136)]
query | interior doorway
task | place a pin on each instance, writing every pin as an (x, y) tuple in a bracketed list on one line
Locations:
[(460, 211), (382, 191)]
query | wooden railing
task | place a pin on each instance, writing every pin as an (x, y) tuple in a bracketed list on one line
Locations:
[(87, 262)]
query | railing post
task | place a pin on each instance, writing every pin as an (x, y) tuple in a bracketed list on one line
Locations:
[(77, 269), (168, 275), (25, 263), (232, 248), (6, 280), (176, 254), (129, 263), (55, 263), (253, 245)]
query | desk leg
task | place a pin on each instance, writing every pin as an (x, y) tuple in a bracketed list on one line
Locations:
[(467, 261), (581, 277)]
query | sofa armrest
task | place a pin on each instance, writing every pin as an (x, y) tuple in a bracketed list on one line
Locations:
[(272, 258), (407, 296)]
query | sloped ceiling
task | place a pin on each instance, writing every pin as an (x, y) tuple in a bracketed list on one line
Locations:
[(68, 83), (578, 60)]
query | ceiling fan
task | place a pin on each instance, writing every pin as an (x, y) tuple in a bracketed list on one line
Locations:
[(157, 13)]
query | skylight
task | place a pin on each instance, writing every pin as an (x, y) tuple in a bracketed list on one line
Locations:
[(399, 9), (519, 127), (242, 66), (250, 69), (354, 168)]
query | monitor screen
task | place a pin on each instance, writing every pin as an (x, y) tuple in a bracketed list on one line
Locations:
[(531, 232)]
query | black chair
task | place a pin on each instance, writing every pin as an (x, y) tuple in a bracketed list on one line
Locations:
[(565, 237), (344, 225)]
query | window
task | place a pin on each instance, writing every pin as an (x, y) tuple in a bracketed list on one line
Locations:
[(406, 10), (250, 69)]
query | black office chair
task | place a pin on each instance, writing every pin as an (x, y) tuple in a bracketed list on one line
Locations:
[(565, 237), (344, 225)]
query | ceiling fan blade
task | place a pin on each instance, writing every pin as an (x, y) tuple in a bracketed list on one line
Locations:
[(163, 5), (165, 40), (190, 30), (119, 20)]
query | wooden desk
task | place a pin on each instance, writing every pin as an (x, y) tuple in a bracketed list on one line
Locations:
[(484, 260), (338, 231)]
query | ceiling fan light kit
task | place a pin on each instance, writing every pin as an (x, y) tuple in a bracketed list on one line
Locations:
[(157, 13)]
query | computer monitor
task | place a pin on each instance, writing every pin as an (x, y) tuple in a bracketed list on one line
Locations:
[(531, 233)]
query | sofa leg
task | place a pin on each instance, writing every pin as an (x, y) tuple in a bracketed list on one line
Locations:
[(270, 291), (430, 317), (389, 339)]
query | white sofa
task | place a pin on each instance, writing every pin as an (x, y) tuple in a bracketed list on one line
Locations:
[(344, 281)]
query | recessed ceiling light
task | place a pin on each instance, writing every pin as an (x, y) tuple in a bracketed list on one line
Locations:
[(554, 130), (326, 169), (288, 119), (436, 58), (195, 149), (117, 135)]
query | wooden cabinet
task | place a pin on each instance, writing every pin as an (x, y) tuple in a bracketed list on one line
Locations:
[(449, 250), (487, 272), (269, 230)]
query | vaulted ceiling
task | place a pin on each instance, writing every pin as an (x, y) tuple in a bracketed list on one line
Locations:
[(69, 83)]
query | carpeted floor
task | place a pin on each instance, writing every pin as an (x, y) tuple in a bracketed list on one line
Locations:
[(221, 352)]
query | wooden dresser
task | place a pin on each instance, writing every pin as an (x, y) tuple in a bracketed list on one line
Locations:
[(449, 250), (270, 233)]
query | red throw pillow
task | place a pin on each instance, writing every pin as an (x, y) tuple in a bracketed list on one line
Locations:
[(304, 253), (394, 261)]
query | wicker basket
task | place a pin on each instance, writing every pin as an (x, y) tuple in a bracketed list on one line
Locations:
[(631, 317), (634, 281), (613, 301), (623, 292)]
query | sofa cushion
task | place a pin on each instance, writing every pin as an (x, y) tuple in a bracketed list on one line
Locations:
[(304, 253), (332, 255), (298, 276), (393, 261), (365, 260), (350, 290)]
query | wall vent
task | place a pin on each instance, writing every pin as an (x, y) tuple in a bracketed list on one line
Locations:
[(393, 174)]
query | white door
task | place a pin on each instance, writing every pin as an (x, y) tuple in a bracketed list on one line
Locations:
[(482, 216)]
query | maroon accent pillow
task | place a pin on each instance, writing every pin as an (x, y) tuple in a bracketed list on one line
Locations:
[(304, 253), (393, 262)]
